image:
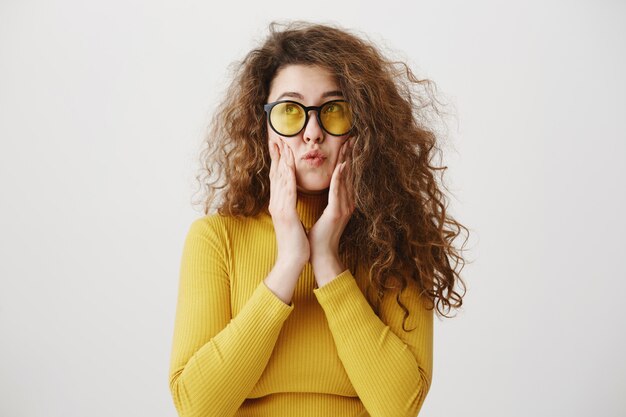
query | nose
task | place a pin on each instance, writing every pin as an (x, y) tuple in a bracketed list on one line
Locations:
[(313, 130)]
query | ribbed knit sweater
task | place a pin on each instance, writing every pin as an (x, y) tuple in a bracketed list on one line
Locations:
[(239, 350)]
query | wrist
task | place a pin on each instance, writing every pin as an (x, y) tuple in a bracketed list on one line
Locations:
[(326, 269), (290, 263)]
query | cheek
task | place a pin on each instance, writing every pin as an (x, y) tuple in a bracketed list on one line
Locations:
[(290, 147), (276, 139)]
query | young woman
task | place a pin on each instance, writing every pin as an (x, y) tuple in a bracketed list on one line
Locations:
[(311, 290)]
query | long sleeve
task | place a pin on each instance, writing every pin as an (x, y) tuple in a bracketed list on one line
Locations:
[(390, 369), (216, 359)]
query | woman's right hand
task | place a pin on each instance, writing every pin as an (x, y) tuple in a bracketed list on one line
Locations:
[(292, 242)]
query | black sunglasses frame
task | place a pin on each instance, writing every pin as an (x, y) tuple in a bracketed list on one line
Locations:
[(269, 106)]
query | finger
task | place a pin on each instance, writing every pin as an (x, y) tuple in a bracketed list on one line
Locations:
[(334, 181), (349, 183), (281, 152), (287, 169), (275, 150), (291, 158), (274, 158), (284, 157), (281, 168), (350, 148), (343, 153), (342, 170)]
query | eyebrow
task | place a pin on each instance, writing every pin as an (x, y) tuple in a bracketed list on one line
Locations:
[(301, 97)]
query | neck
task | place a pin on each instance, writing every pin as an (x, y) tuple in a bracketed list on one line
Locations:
[(310, 205)]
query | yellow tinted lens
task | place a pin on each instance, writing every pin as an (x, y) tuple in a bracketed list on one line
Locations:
[(336, 117), (287, 118)]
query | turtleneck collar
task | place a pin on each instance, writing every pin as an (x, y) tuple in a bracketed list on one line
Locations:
[(310, 207)]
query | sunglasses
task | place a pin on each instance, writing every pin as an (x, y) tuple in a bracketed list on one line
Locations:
[(288, 118)]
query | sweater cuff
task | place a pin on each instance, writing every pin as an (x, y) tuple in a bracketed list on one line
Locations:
[(271, 300), (335, 293)]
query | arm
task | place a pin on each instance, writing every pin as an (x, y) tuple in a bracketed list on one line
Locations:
[(390, 369), (216, 360)]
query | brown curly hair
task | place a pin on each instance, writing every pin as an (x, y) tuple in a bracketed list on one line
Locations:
[(412, 238)]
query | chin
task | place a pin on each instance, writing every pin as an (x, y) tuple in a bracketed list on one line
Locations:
[(312, 183), (313, 188)]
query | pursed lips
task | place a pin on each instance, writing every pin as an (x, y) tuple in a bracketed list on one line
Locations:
[(314, 155)]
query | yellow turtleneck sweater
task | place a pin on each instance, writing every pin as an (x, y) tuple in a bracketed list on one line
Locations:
[(239, 350)]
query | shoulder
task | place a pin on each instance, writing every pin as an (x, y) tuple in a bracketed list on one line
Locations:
[(230, 229), (209, 220), (210, 226), (222, 226)]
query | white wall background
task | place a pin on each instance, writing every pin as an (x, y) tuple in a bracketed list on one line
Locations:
[(102, 110)]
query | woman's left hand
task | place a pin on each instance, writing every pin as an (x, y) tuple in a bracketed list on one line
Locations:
[(325, 234)]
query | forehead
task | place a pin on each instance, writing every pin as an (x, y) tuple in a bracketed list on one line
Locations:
[(308, 80)]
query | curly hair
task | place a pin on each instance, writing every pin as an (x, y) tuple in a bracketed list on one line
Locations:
[(412, 238)]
